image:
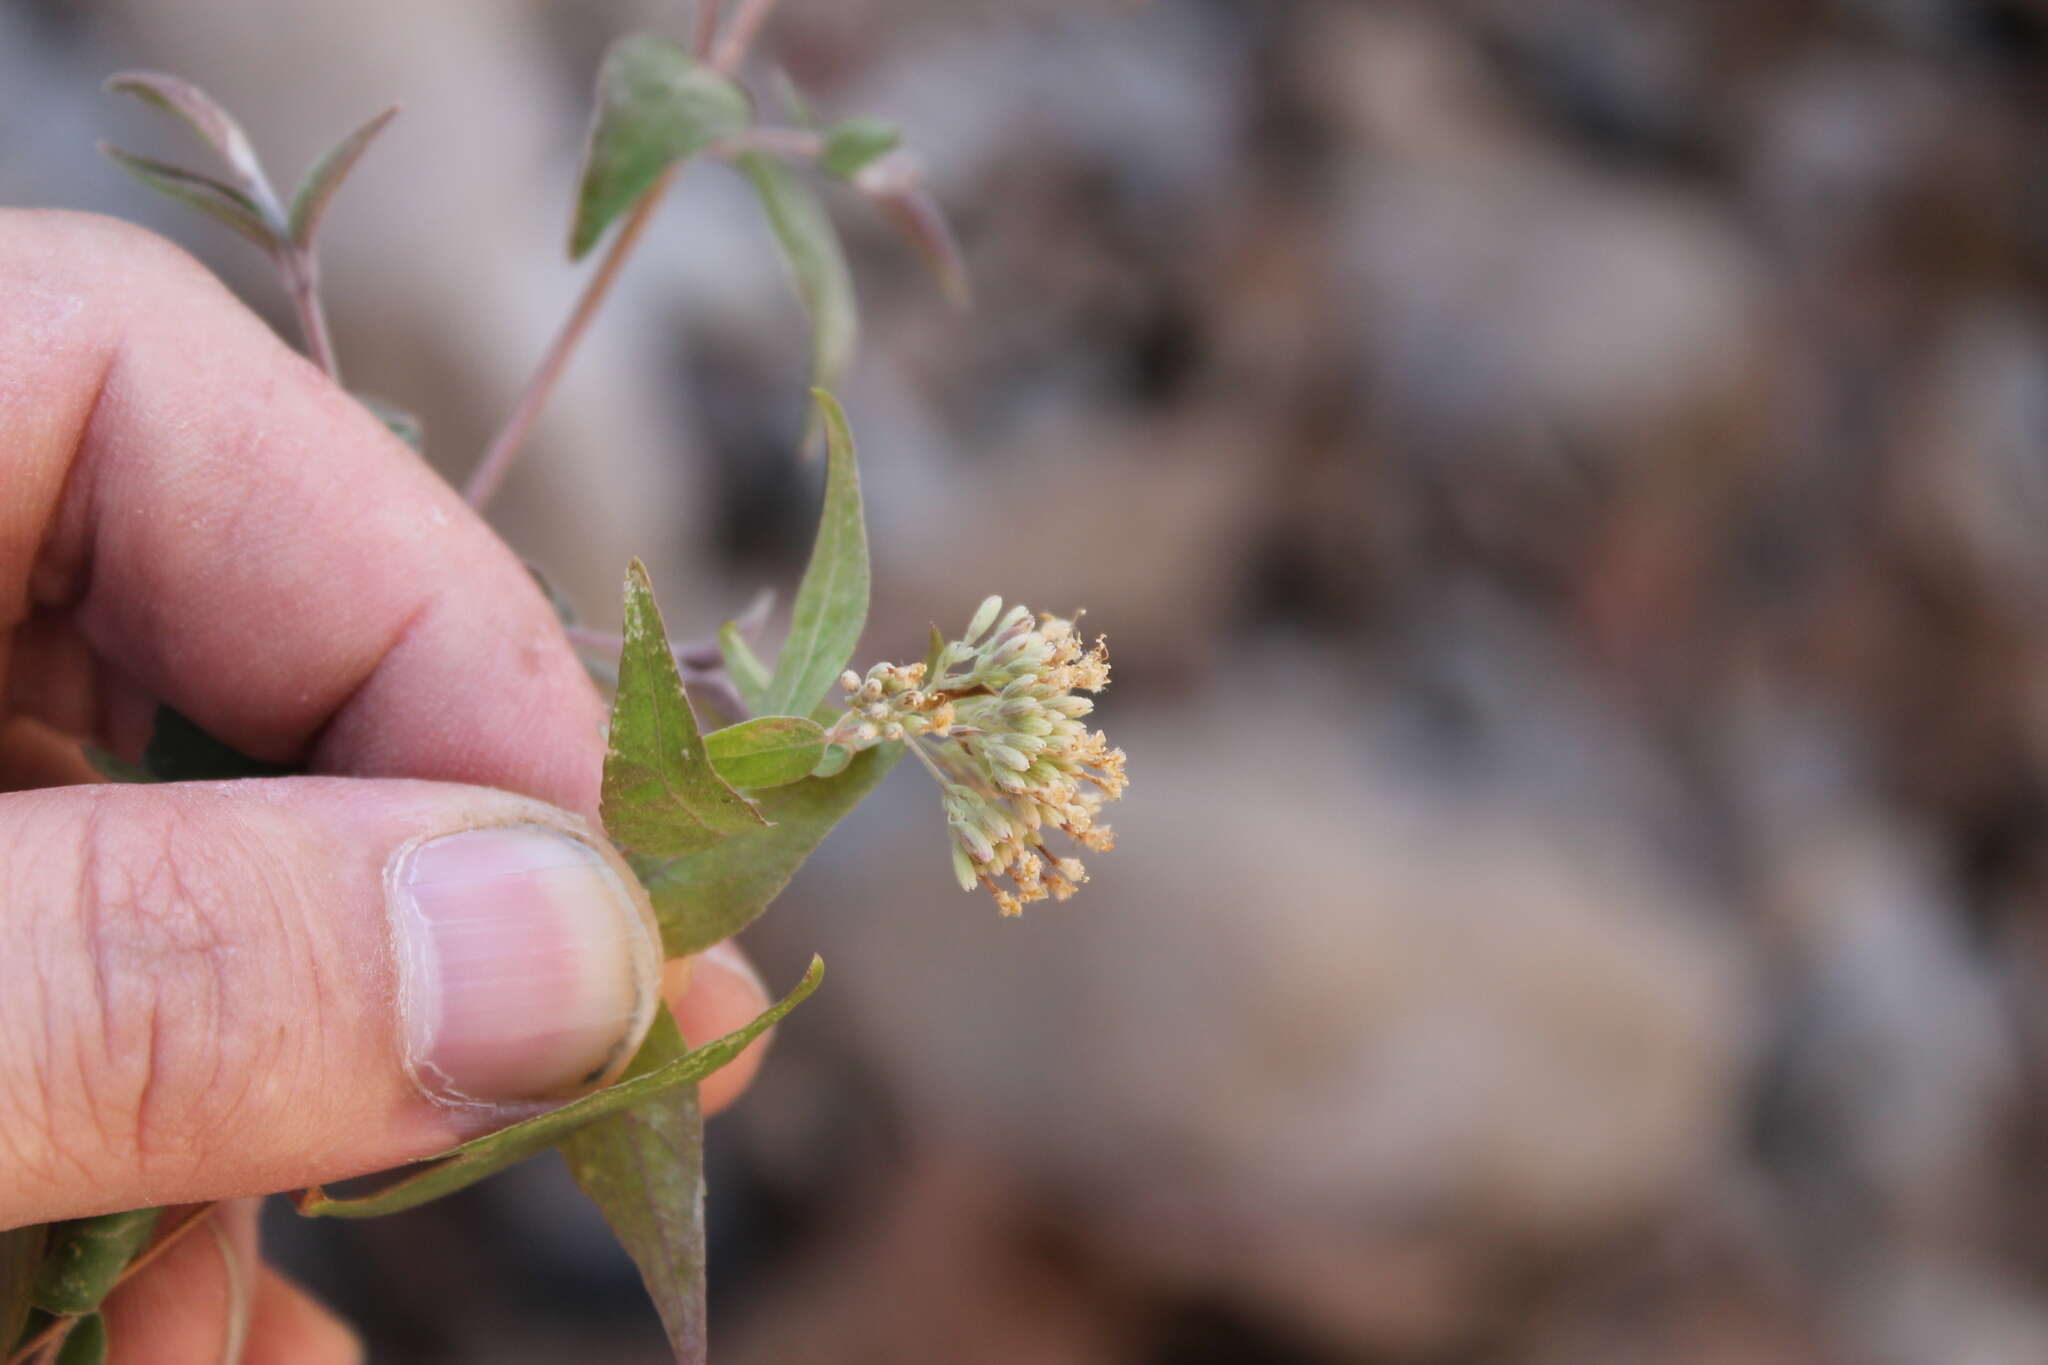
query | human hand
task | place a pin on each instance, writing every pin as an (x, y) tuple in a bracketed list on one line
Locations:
[(220, 990)]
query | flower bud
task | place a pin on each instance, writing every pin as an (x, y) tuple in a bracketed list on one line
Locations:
[(984, 616)]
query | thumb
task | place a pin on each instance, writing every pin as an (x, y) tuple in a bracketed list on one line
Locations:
[(214, 989)]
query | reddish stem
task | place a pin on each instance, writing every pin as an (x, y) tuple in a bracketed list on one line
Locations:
[(497, 461)]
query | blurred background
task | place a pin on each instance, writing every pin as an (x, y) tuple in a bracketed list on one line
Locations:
[(1566, 482)]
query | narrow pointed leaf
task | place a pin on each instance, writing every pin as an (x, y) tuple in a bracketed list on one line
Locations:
[(220, 202), (656, 105), (852, 143), (817, 265), (661, 795), (713, 895), (644, 1169), (832, 601), (750, 677), (767, 751), (86, 1343), (472, 1161), (86, 1255), (215, 126), (309, 205), (21, 1252)]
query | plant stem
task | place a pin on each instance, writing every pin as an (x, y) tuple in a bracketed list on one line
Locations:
[(504, 447), (729, 52), (916, 747), (603, 641), (740, 35), (707, 29), (302, 276), (797, 143)]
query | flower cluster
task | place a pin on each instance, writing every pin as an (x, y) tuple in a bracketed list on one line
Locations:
[(995, 719)]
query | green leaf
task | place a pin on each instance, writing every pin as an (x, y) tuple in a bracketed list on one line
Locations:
[(713, 895), (472, 1161), (21, 1251), (85, 1343), (644, 1168), (767, 751), (656, 105), (853, 143), (86, 1256), (406, 426), (832, 601), (661, 795), (180, 751), (309, 205), (817, 265), (833, 761), (215, 126), (220, 202), (750, 677)]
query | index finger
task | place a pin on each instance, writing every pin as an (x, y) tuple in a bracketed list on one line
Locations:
[(226, 530)]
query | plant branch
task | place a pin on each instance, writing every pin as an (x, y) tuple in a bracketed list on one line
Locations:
[(302, 277), (707, 29), (740, 34), (800, 144), (727, 54), (497, 460)]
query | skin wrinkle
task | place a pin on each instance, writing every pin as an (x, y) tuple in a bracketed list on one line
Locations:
[(280, 887), (174, 1064), (258, 918), (39, 1162)]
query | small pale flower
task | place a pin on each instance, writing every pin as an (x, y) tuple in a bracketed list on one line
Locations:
[(995, 719)]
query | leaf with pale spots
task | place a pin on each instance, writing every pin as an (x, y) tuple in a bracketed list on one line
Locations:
[(661, 794), (86, 1256)]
